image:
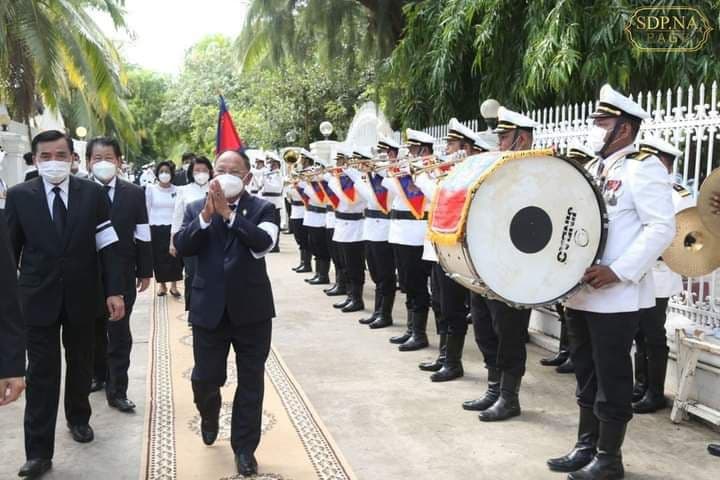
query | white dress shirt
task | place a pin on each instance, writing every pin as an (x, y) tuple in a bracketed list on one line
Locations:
[(346, 231), (50, 195), (404, 232), (641, 226), (160, 204)]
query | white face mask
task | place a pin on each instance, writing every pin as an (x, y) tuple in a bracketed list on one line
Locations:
[(104, 170), (231, 185), (54, 171), (201, 178), (164, 177), (596, 138)]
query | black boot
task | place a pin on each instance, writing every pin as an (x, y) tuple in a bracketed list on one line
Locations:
[(400, 339), (452, 368), (654, 398), (640, 385), (567, 367), (323, 271), (489, 397), (556, 360), (508, 405), (375, 313), (306, 266), (585, 448), (356, 300), (714, 449), (302, 261), (418, 339), (340, 287), (343, 303), (438, 363), (385, 318), (607, 464)]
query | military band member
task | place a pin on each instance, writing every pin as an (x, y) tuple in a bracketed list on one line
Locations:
[(272, 190), (407, 235), (580, 153), (258, 176), (349, 221), (651, 350), (378, 252), (604, 315), (300, 232), (315, 223), (340, 287), (501, 331)]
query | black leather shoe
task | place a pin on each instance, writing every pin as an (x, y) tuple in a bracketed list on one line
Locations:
[(415, 342), (489, 397), (122, 404), (35, 468), (320, 280), (209, 431), (355, 305), (336, 291), (508, 405), (342, 303), (382, 321), (714, 449), (432, 366), (97, 385), (556, 360), (82, 433), (650, 403), (311, 279), (246, 464), (607, 464), (576, 459), (448, 373), (370, 319), (566, 367), (400, 339)]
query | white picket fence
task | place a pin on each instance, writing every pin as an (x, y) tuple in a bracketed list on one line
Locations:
[(688, 118)]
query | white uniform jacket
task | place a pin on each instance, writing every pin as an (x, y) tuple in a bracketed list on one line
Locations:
[(641, 216), (350, 228), (374, 229), (297, 207), (316, 210), (272, 188), (256, 182), (404, 232), (667, 282), (428, 186)]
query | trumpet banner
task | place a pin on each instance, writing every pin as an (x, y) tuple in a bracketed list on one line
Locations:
[(333, 199), (380, 192), (348, 188), (412, 195)]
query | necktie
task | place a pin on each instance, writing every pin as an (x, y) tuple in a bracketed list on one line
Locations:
[(59, 211), (107, 192), (233, 207)]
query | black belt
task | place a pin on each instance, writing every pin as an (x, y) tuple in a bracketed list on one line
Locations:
[(313, 208), (403, 215), (348, 216), (329, 208), (254, 191), (297, 204), (271, 194), (376, 214)]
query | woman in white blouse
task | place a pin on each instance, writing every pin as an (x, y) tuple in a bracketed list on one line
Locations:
[(160, 199), (199, 174)]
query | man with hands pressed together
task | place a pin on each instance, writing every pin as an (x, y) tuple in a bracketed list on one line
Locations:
[(64, 242), (230, 232)]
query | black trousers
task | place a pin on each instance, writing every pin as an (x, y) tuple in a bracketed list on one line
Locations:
[(167, 268), (190, 267), (381, 265), (500, 333), (414, 273), (251, 344), (113, 344), (354, 259), (651, 334), (600, 346), (277, 219), (335, 253), (318, 243), (454, 305), (288, 207), (43, 380), (300, 233)]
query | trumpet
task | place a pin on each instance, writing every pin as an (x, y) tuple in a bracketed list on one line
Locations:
[(427, 164)]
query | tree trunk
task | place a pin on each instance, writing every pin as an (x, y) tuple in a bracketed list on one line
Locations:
[(391, 10)]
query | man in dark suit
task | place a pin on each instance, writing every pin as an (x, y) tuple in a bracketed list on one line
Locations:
[(62, 238), (181, 177), (128, 213), (230, 232), (12, 338)]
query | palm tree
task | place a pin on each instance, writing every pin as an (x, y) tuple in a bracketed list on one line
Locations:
[(52, 53)]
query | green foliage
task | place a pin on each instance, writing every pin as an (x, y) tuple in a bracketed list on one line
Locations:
[(52, 52)]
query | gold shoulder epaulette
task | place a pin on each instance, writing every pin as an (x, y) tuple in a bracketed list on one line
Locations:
[(681, 190), (639, 156)]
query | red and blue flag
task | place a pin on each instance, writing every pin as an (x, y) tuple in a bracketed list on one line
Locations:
[(412, 195), (380, 192), (331, 197), (348, 188), (227, 137)]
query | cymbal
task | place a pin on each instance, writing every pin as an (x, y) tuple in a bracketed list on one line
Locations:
[(694, 251), (710, 186)]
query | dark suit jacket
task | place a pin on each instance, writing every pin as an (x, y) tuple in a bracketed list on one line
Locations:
[(128, 211), (12, 337), (61, 272), (180, 178), (31, 174), (228, 276)]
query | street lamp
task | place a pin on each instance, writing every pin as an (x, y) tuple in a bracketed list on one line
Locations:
[(290, 136), (81, 132), (4, 117), (326, 128), (489, 111)]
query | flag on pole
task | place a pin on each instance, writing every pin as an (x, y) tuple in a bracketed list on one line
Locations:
[(227, 137)]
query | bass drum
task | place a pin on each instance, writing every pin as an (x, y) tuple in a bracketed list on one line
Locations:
[(532, 224)]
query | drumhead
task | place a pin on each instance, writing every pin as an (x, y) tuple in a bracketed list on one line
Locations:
[(534, 226)]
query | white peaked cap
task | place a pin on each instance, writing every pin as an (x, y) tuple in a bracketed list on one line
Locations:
[(509, 120), (580, 150), (416, 137), (344, 150), (387, 142), (613, 104), (363, 152), (662, 146), (458, 130)]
